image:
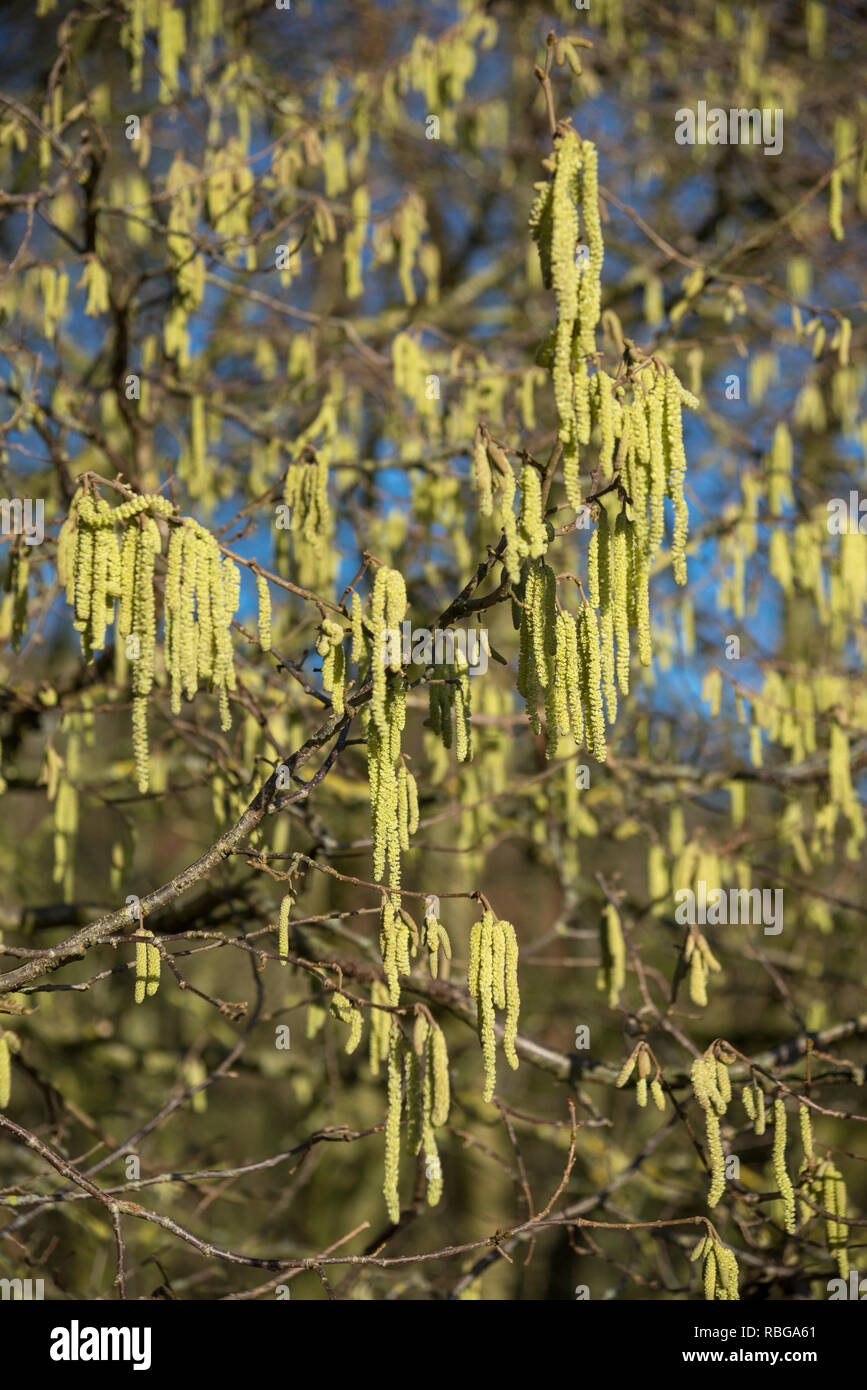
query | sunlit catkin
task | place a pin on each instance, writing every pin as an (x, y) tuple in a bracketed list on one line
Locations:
[(485, 1003), (676, 473), (784, 1182), (492, 980), (286, 906), (5, 1071), (357, 629), (623, 540), (513, 998), (347, 1012), (147, 966), (392, 1122), (591, 682), (264, 615), (591, 271), (564, 274), (532, 536)]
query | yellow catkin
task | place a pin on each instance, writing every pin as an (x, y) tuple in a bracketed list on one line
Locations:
[(482, 474), (698, 980), (485, 1003), (347, 1012), (591, 274), (784, 1182), (656, 526), (264, 617), (513, 998), (606, 616), (620, 597), (286, 906), (676, 473), (612, 976), (392, 1124), (564, 276), (698, 1249), (147, 966), (357, 629), (717, 1158), (709, 1271), (642, 606), (727, 1271), (5, 1072), (432, 929), (591, 682), (569, 658), (627, 1069), (806, 1132), (439, 1067), (532, 536)]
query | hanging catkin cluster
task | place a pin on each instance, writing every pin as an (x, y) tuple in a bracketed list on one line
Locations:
[(563, 658), (831, 1184), (202, 589), (310, 517), (700, 959), (398, 941), (387, 607), (448, 691), (576, 281), (653, 463), (418, 1087), (494, 481), (306, 495), (719, 1268), (638, 427), (329, 645), (346, 1011), (824, 1185), (492, 979), (89, 564), (392, 804), (753, 1098), (201, 598), (712, 1089), (642, 1058)]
